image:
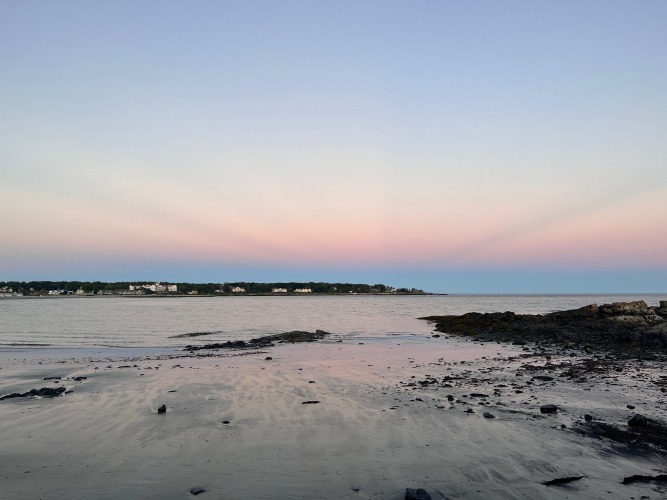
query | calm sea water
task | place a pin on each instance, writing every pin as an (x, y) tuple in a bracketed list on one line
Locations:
[(153, 322)]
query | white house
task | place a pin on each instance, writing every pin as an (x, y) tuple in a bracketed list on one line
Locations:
[(238, 289), (279, 290), (156, 287), (303, 290)]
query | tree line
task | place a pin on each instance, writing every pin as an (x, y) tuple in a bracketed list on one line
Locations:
[(94, 287)]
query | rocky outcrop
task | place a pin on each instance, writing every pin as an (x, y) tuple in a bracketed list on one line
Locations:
[(267, 341), (623, 326), (44, 392)]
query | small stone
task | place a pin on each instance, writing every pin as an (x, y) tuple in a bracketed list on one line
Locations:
[(225, 421), (197, 490), (268, 358), (310, 402), (588, 417), (486, 414), (162, 409), (638, 420), (450, 398), (630, 407), (548, 409)]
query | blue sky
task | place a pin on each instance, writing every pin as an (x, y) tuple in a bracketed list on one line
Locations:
[(454, 146)]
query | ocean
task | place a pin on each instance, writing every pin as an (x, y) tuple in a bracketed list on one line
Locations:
[(153, 323)]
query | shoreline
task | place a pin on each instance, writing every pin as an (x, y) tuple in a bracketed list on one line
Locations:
[(380, 425)]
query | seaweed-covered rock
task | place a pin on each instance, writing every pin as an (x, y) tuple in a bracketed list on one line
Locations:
[(266, 341), (621, 326)]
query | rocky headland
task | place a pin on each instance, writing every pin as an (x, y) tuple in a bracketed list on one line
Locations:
[(629, 327)]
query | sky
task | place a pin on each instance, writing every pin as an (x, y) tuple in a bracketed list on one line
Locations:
[(457, 147)]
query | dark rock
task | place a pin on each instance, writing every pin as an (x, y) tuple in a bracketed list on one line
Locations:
[(225, 421), (162, 409), (478, 395), (417, 494), (310, 402), (629, 327), (79, 379), (650, 438), (548, 409), (486, 414), (562, 480), (450, 398), (638, 478), (197, 490), (44, 392), (267, 341), (638, 420), (588, 417), (545, 378), (51, 378), (630, 407), (268, 358)]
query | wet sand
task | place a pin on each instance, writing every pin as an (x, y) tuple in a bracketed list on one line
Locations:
[(236, 425)]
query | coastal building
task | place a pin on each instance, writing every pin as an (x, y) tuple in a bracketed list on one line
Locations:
[(193, 292), (303, 290), (279, 290), (6, 289), (156, 287), (238, 289)]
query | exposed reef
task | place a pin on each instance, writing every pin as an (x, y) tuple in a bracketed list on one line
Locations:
[(631, 327), (266, 341)]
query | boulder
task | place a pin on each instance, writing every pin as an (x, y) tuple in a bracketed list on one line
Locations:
[(417, 494), (548, 409), (638, 420)]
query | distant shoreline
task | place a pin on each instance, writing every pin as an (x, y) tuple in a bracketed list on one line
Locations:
[(218, 295)]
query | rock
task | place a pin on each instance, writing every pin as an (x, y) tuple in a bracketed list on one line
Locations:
[(310, 402), (268, 358), (51, 378), (79, 379), (418, 494), (638, 420), (486, 414), (588, 417), (450, 398), (628, 327), (44, 392), (548, 409), (197, 490), (162, 409), (630, 407), (638, 478), (225, 421), (545, 378), (562, 480)]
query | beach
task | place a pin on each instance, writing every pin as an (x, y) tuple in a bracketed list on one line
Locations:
[(330, 419)]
